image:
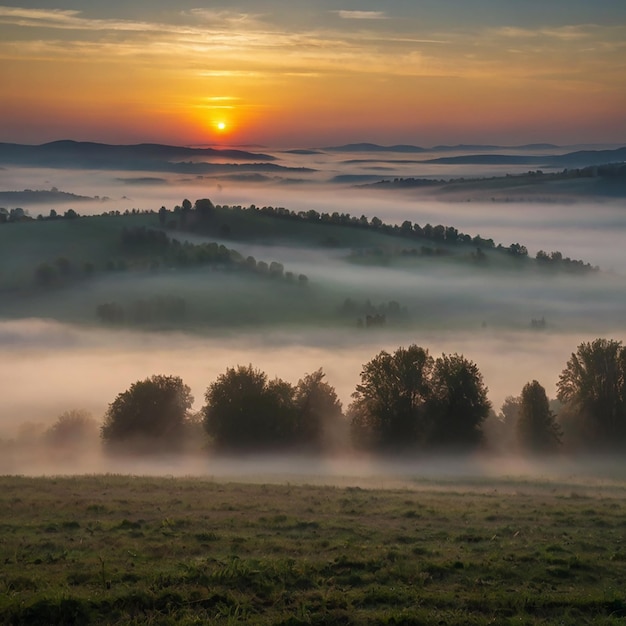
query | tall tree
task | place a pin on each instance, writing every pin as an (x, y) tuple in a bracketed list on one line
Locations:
[(537, 430), (458, 403), (388, 405), (319, 411), (593, 388), (246, 411), (151, 413)]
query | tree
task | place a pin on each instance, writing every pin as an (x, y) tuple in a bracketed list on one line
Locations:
[(510, 412), (163, 213), (45, 274), (245, 411), (152, 412), (458, 403), (537, 430), (388, 405), (204, 207), (593, 388), (72, 430), (319, 411)]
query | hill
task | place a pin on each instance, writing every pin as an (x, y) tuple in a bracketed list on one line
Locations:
[(226, 267)]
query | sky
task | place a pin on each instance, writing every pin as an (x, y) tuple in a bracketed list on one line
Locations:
[(302, 73)]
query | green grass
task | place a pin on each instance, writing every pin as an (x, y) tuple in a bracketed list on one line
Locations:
[(129, 550)]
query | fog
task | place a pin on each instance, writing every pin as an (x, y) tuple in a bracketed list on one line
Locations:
[(49, 367)]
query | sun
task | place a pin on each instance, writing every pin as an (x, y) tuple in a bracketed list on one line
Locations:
[(221, 126)]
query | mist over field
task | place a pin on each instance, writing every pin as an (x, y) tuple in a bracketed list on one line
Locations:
[(52, 366)]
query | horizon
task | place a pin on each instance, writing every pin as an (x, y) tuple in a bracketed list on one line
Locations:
[(288, 75), (271, 148)]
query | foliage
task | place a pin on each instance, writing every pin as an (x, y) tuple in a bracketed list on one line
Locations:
[(319, 411), (537, 430), (388, 408), (72, 429), (593, 388), (152, 412), (245, 411), (458, 403), (407, 399)]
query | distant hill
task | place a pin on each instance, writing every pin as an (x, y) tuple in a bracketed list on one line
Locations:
[(591, 157), (488, 159), (373, 147), (303, 151), (466, 147), (580, 158), (75, 154), (601, 181), (29, 196)]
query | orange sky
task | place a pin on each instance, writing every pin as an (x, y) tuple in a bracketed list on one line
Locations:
[(287, 75)]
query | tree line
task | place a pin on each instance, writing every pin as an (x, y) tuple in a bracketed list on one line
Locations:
[(146, 249), (189, 217), (406, 402)]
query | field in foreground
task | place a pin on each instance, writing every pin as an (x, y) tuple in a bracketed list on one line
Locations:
[(136, 550)]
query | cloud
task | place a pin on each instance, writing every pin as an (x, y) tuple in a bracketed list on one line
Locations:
[(566, 32), (361, 15), (67, 20)]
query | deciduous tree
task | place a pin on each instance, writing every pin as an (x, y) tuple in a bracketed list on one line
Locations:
[(537, 430), (151, 413), (458, 402), (319, 411), (245, 411), (388, 405), (593, 388)]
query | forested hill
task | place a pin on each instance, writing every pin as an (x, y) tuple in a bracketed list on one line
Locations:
[(603, 181), (75, 154), (198, 266)]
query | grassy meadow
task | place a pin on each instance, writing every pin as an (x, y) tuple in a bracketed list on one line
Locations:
[(112, 549)]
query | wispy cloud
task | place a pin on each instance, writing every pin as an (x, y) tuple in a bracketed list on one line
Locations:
[(67, 20), (361, 15), (236, 45), (565, 33)]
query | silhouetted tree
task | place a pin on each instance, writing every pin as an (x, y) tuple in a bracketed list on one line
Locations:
[(319, 411), (163, 213), (245, 411), (276, 269), (204, 207), (458, 402), (509, 414), (185, 212), (537, 430), (593, 389), (388, 405), (149, 415)]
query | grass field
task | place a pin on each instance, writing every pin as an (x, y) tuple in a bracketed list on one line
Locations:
[(136, 550)]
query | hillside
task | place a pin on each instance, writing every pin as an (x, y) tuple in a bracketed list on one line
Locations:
[(201, 269)]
